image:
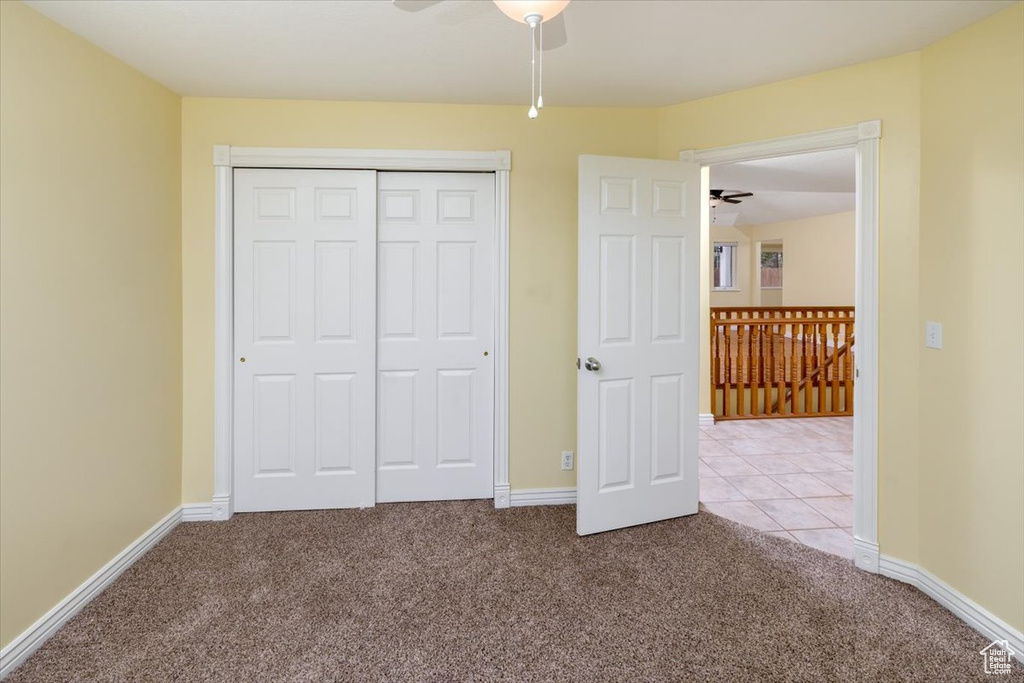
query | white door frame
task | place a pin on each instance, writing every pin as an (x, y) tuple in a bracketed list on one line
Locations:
[(865, 138), (225, 159)]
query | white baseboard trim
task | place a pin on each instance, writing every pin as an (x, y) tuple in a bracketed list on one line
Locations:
[(25, 644), (223, 508), (706, 420), (973, 614), (865, 555), (501, 496), (197, 512), (526, 497)]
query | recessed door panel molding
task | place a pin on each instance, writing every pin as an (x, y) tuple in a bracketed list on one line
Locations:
[(617, 288), (336, 204), (456, 206), (336, 428), (618, 196), (274, 291), (638, 267), (669, 199), (396, 419), (336, 292), (274, 203), (668, 289), (399, 206), (274, 425), (455, 289), (305, 333), (455, 418), (436, 316), (399, 289), (667, 424), (615, 444)]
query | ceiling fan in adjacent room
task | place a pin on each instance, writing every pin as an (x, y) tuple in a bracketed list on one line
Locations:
[(719, 197), (533, 13)]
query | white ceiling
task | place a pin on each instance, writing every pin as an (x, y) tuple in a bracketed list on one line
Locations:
[(619, 52), (787, 188)]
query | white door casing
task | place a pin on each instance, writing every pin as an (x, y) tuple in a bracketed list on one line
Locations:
[(639, 251), (305, 324), (435, 393)]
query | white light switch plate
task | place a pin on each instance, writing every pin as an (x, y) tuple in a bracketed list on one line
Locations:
[(933, 335)]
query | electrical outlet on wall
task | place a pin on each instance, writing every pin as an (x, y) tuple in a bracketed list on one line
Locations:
[(933, 335), (566, 460)]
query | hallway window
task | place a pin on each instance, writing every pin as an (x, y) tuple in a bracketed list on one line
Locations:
[(725, 266)]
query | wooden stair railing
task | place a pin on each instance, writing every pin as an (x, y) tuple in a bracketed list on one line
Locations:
[(773, 362), (842, 351)]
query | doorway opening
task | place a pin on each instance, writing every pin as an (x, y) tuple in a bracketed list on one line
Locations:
[(790, 312)]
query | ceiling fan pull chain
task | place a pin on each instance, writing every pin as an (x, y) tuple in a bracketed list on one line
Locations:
[(540, 69), (533, 70)]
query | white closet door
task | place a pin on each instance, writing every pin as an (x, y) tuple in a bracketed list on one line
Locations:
[(305, 279), (435, 324)]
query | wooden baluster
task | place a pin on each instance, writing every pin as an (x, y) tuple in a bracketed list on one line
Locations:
[(740, 375), (714, 365), (769, 377), (727, 357), (780, 380), (804, 370), (850, 374), (812, 363), (794, 378), (834, 370), (822, 370), (755, 370)]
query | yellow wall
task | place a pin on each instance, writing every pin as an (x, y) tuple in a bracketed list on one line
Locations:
[(820, 261), (90, 300), (972, 281), (887, 89), (819, 264), (542, 357)]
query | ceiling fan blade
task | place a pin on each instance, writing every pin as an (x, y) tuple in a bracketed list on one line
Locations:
[(414, 5), (740, 194), (730, 200), (555, 35), (456, 13)]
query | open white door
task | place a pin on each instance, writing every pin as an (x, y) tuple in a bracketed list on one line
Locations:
[(639, 249)]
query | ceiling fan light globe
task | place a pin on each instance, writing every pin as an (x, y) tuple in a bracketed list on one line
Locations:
[(519, 10)]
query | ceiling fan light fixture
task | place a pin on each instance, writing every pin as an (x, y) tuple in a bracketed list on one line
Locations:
[(534, 13), (519, 10)]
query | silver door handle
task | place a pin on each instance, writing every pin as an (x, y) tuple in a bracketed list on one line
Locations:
[(592, 364)]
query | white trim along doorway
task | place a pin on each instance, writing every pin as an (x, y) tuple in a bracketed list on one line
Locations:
[(226, 159), (865, 138)]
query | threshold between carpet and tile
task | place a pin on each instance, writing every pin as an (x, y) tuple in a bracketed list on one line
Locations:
[(459, 591)]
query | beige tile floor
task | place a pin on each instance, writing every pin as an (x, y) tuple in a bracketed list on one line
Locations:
[(790, 478)]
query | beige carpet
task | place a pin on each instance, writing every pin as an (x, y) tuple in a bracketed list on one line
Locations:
[(461, 592)]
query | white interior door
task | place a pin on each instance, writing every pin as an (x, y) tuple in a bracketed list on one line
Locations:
[(305, 338), (639, 251), (435, 418)]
